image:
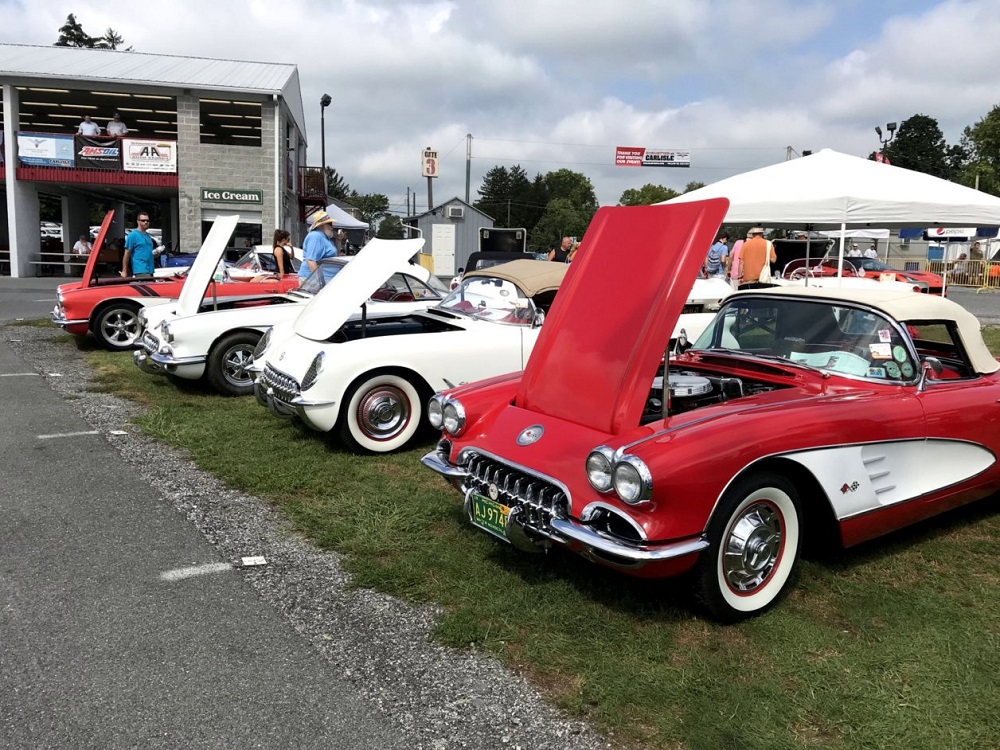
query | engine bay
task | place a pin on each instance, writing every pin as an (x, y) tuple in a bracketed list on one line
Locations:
[(690, 389)]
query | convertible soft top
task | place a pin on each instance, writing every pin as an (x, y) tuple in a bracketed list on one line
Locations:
[(906, 307), (531, 276)]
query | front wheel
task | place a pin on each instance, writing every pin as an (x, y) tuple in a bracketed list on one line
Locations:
[(226, 369), (117, 326), (381, 413), (754, 541)]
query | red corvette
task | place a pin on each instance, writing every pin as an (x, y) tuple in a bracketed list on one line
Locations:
[(871, 268), (800, 415), (109, 306)]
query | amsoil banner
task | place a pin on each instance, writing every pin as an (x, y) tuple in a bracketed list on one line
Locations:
[(141, 155), (98, 153), (45, 150), (639, 156)]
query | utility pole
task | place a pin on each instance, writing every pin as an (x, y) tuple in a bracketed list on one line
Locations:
[(468, 164)]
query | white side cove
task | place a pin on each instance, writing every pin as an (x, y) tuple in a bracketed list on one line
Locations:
[(866, 477)]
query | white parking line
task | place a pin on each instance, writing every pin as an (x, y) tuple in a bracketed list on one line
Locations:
[(17, 374), (179, 574), (67, 434)]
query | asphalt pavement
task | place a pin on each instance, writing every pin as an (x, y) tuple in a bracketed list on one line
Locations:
[(120, 625)]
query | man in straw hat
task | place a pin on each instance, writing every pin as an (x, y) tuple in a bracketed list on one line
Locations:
[(756, 253), (318, 244)]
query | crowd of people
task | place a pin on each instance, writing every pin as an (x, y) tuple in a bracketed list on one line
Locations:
[(115, 127), (746, 265)]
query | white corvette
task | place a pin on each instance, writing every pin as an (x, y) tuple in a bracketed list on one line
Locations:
[(368, 381), (198, 337)]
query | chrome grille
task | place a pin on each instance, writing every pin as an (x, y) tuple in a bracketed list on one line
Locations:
[(538, 499), (150, 343), (285, 387)]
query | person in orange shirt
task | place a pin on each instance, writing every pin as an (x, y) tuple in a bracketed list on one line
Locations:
[(756, 252)]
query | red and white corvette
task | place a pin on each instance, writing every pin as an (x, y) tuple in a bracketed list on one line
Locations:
[(107, 305), (799, 414)]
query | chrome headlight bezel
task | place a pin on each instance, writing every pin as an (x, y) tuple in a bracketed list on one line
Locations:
[(453, 417), (314, 371), (143, 320), (632, 480), (599, 468), (167, 334), (435, 411), (263, 343)]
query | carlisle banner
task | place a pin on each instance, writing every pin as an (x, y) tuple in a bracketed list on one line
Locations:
[(45, 150), (98, 153), (638, 156), (141, 155)]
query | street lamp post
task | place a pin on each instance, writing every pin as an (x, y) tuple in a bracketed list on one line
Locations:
[(324, 102), (891, 130)]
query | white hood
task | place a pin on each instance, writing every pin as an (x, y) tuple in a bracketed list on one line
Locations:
[(205, 264), (353, 285)]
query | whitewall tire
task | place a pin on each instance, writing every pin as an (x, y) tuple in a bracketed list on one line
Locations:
[(381, 413)]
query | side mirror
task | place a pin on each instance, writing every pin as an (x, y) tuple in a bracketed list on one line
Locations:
[(538, 319), (929, 366)]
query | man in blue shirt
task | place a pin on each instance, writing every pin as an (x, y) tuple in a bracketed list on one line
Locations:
[(139, 249), (318, 244)]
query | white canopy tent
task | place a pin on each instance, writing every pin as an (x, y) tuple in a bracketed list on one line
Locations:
[(830, 190), (341, 219)]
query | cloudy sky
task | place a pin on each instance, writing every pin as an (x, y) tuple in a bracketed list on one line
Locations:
[(549, 84)]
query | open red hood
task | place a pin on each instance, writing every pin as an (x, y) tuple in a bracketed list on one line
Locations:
[(95, 250), (607, 330)]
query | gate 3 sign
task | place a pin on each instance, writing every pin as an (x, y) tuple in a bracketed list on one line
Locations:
[(232, 195)]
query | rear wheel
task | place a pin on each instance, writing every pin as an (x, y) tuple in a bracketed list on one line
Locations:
[(117, 326), (226, 369), (381, 413), (754, 541)]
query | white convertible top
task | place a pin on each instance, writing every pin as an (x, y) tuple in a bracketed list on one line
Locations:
[(906, 307)]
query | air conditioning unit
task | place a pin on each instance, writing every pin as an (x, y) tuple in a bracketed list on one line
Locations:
[(456, 212)]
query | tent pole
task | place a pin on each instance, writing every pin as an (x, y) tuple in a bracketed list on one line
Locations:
[(840, 260)]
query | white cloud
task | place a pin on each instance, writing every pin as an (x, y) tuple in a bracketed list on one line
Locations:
[(550, 84)]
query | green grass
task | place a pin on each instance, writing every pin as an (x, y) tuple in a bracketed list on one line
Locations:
[(892, 645)]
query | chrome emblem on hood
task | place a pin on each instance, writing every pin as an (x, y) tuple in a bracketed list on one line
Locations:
[(530, 435)]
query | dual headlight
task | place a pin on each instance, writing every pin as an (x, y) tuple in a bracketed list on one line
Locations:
[(314, 371), (265, 341), (166, 333), (628, 476), (446, 414)]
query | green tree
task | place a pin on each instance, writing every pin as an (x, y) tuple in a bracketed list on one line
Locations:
[(562, 218), (372, 207), (647, 195), (336, 186), (981, 145), (919, 145), (390, 228), (71, 34), (574, 187), (693, 185)]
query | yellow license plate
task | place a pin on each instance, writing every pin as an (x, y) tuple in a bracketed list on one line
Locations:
[(489, 515)]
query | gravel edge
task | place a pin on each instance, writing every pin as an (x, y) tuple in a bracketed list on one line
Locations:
[(440, 697)]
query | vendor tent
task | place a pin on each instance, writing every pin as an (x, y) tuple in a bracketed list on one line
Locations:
[(341, 219), (830, 190)]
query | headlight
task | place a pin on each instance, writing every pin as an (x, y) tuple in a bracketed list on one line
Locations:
[(309, 380), (453, 417), (632, 480), (435, 411), (599, 468), (168, 335), (142, 317), (265, 341)]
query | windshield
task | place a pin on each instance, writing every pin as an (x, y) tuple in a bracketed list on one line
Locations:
[(325, 271), (828, 336), (261, 261), (493, 299)]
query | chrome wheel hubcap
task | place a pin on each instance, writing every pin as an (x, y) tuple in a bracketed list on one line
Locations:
[(752, 547), (234, 366), (383, 412), (121, 327)]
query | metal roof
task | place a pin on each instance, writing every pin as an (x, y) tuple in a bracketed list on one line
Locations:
[(66, 64)]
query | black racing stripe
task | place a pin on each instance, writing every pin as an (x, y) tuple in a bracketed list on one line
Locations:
[(146, 291)]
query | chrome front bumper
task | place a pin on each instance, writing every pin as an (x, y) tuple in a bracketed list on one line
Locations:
[(144, 363), (572, 533)]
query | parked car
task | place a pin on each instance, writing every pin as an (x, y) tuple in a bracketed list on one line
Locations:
[(214, 339), (800, 414), (109, 306), (870, 268), (480, 260)]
